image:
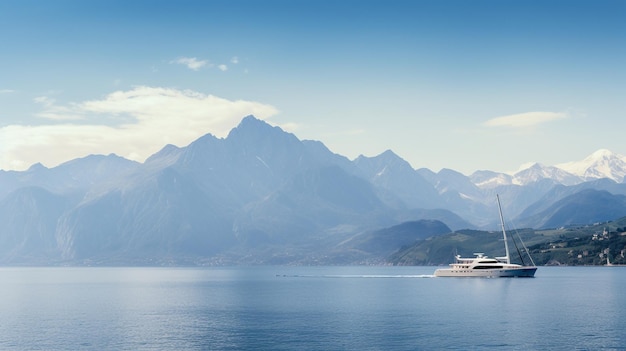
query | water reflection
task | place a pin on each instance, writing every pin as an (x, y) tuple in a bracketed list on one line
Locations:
[(314, 308)]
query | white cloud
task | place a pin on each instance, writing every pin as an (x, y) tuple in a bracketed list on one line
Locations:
[(191, 62), (53, 112), (153, 117), (527, 119), (223, 68), (290, 127), (234, 60), (44, 100), (6, 91)]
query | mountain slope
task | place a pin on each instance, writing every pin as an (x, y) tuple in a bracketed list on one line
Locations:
[(312, 204), (28, 219), (587, 206), (167, 215), (390, 172), (386, 241)]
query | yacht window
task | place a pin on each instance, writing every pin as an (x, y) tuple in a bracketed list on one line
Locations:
[(487, 267)]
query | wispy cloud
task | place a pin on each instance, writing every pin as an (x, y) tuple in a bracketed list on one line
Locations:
[(191, 62), (290, 127), (134, 124), (523, 120), (6, 91), (195, 64), (45, 101), (53, 112)]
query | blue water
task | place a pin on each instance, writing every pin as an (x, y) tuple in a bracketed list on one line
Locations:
[(309, 308)]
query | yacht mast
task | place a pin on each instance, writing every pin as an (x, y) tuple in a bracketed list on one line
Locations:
[(506, 244)]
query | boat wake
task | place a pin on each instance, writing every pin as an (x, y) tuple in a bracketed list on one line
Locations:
[(356, 276)]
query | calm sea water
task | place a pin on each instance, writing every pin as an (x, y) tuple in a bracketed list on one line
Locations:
[(309, 308)]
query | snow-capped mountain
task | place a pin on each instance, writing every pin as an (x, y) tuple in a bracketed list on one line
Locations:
[(601, 164), (538, 171), (526, 175), (490, 179)]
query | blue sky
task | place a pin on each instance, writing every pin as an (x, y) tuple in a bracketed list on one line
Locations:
[(466, 85)]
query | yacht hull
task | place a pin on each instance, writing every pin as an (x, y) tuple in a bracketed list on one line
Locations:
[(521, 272)]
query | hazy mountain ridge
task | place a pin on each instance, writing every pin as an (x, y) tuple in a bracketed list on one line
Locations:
[(587, 206), (260, 193), (75, 176)]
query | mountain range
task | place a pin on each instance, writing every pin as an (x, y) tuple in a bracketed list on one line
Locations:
[(263, 196)]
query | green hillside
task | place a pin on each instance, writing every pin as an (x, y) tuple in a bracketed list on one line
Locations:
[(576, 245)]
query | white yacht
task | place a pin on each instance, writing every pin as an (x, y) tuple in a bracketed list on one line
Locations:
[(483, 266)]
